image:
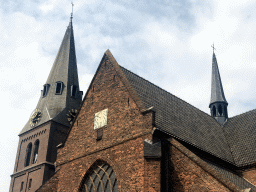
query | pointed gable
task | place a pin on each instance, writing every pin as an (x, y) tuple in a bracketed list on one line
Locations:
[(57, 100)]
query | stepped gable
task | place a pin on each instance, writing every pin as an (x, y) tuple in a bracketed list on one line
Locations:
[(180, 119)]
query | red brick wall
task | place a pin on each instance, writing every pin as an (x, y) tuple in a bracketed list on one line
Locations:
[(186, 175), (250, 175), (123, 138)]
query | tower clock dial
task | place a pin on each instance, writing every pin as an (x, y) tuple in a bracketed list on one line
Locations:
[(35, 117), (71, 115)]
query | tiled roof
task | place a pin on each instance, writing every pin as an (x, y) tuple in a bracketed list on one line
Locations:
[(234, 142), (240, 132), (180, 119)]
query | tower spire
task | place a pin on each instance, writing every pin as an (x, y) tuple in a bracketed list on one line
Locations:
[(218, 103), (61, 92)]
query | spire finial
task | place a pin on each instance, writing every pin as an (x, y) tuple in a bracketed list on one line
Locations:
[(72, 11), (213, 47)]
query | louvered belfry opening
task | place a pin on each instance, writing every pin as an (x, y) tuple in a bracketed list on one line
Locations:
[(100, 178)]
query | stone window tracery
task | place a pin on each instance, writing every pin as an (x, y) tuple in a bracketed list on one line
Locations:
[(100, 178)]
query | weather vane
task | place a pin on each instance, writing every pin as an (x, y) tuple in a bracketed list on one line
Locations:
[(72, 11), (213, 47)]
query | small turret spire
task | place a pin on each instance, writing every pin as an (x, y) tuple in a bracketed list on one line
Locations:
[(218, 103)]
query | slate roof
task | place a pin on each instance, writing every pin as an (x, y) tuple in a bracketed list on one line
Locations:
[(64, 69), (233, 142), (240, 132), (217, 93), (233, 177)]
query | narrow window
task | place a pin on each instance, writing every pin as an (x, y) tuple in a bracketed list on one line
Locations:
[(59, 88), (21, 186), (226, 111), (35, 155), (99, 134), (46, 88), (220, 110), (30, 183), (28, 154), (213, 111), (73, 90)]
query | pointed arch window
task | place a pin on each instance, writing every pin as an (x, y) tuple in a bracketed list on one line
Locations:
[(73, 90), (21, 186), (100, 178), (59, 87), (35, 153), (46, 89), (28, 154), (30, 183)]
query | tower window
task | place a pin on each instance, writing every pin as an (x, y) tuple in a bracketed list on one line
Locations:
[(73, 90), (59, 88), (30, 183), (35, 154), (21, 186), (226, 111), (214, 111), (28, 154), (220, 110), (46, 88)]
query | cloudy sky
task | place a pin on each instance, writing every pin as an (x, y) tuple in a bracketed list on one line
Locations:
[(168, 42)]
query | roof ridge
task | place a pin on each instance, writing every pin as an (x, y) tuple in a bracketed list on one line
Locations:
[(242, 113), (165, 91)]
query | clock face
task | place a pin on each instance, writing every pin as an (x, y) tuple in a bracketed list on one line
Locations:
[(35, 117), (100, 119), (71, 115)]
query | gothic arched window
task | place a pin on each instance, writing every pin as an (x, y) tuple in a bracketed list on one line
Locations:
[(35, 153), (28, 154), (100, 178)]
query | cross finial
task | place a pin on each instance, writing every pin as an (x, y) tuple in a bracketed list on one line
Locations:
[(213, 47), (72, 11)]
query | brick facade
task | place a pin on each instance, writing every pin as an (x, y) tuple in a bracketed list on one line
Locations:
[(122, 144)]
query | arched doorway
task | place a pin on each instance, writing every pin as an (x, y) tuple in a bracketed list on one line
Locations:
[(100, 178)]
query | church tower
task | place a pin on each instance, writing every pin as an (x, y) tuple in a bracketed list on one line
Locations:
[(50, 121), (218, 104)]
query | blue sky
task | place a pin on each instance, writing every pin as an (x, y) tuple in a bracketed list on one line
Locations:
[(167, 42)]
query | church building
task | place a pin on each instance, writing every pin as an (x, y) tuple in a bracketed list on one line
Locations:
[(128, 135)]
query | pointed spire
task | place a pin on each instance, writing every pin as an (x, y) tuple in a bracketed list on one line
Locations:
[(218, 103), (217, 93), (61, 91)]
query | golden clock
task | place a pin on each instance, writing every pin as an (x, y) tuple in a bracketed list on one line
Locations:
[(71, 115), (35, 117)]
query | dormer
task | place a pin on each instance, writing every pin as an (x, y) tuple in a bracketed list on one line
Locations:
[(59, 88), (46, 89)]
